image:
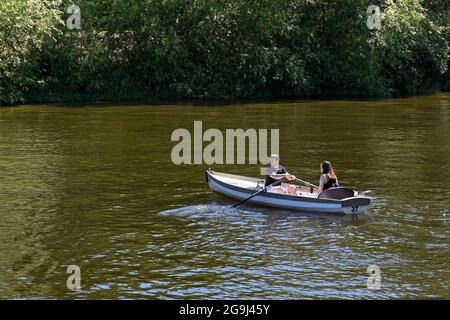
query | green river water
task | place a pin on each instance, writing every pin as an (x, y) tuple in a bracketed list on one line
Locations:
[(94, 186)]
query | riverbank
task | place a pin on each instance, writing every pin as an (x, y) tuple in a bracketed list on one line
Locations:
[(215, 103)]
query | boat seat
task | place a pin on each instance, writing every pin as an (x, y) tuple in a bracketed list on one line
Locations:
[(337, 193)]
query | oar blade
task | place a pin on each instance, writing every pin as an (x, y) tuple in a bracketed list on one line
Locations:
[(256, 193)]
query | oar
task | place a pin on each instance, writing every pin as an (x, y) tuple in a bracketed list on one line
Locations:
[(256, 193), (306, 183)]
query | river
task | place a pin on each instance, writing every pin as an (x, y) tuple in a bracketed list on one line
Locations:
[(94, 186)]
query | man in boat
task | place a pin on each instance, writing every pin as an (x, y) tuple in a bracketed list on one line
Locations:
[(275, 172)]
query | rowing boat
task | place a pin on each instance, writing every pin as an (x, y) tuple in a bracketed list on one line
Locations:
[(337, 200)]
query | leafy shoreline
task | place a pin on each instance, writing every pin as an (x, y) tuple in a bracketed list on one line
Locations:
[(211, 50), (214, 103)]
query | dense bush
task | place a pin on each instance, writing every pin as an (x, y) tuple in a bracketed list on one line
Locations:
[(216, 49), (25, 27)]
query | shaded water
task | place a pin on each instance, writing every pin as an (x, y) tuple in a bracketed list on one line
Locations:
[(94, 186)]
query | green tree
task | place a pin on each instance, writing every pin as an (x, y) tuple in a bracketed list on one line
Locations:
[(25, 27), (216, 49)]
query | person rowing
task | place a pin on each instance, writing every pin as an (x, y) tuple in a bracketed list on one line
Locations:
[(328, 178), (275, 172)]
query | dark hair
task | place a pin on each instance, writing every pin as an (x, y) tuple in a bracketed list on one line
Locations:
[(328, 169)]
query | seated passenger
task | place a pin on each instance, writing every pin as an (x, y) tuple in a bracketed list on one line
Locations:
[(328, 178)]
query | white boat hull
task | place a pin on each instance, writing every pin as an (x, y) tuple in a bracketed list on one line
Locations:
[(240, 188)]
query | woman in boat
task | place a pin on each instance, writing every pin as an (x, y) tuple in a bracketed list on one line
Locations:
[(277, 172), (328, 178)]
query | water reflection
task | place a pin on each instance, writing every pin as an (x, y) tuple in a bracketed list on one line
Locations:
[(95, 187)]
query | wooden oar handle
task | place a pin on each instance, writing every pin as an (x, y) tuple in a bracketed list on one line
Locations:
[(307, 183)]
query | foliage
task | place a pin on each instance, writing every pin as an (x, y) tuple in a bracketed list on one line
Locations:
[(413, 49), (216, 49), (25, 26)]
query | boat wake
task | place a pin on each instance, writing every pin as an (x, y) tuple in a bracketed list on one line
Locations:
[(216, 211), (200, 210), (365, 193)]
